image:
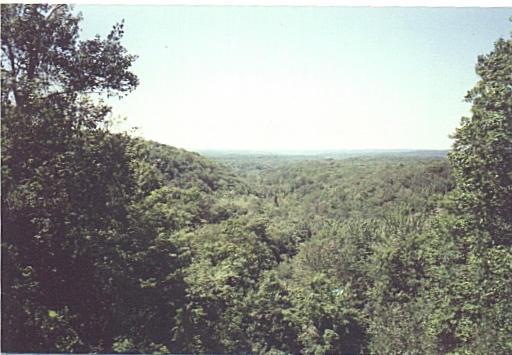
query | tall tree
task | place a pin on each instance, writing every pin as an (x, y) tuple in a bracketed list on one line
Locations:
[(65, 180), (482, 155), (470, 247)]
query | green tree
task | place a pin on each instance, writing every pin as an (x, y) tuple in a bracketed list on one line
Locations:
[(482, 151), (43, 60), (469, 248), (270, 324), (395, 269), (65, 181), (327, 315), (227, 260)]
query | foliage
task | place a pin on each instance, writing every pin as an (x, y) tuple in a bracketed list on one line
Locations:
[(482, 155), (269, 319), (116, 244), (227, 261), (183, 169), (65, 181), (470, 244)]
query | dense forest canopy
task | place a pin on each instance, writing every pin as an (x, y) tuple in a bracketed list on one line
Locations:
[(118, 244)]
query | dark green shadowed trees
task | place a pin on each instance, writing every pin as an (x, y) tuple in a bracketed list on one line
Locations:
[(65, 181)]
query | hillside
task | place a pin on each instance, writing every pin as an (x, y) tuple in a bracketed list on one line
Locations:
[(180, 168), (115, 244), (242, 160)]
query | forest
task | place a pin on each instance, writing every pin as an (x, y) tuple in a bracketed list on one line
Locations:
[(117, 244)]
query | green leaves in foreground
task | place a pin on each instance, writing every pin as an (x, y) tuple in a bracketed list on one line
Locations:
[(116, 244)]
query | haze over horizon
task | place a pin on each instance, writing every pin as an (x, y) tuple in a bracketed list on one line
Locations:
[(299, 78)]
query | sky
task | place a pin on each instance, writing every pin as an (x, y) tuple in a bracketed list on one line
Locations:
[(299, 77)]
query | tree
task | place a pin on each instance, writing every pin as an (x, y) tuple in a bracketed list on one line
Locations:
[(65, 180), (482, 154), (469, 249), (227, 261), (42, 58), (269, 319)]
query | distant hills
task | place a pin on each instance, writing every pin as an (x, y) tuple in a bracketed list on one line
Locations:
[(318, 154)]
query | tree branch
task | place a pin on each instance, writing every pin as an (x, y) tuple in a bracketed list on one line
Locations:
[(54, 10)]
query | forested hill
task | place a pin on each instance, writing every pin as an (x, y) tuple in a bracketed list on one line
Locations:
[(115, 244), (183, 169), (241, 160), (207, 263), (353, 187)]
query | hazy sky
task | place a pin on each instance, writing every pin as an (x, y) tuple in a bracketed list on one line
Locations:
[(288, 78)]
